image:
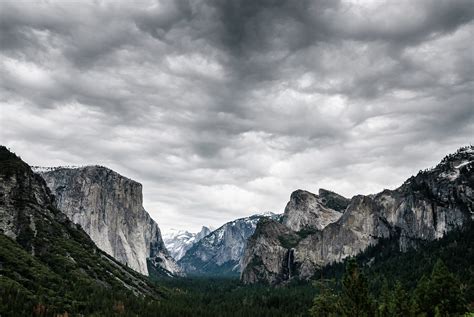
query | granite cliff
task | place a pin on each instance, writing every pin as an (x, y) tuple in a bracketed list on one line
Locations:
[(220, 252), (317, 230), (108, 206), (42, 252)]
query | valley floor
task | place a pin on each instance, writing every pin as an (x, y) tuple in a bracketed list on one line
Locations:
[(228, 297), (437, 279)]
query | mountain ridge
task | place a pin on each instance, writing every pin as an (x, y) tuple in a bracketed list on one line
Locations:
[(109, 207), (220, 252), (43, 252), (425, 206), (178, 242)]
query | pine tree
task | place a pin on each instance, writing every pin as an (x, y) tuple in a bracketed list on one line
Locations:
[(355, 297), (326, 303), (401, 304), (441, 294), (422, 295), (446, 294), (385, 300)]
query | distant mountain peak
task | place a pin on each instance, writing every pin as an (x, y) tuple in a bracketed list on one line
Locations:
[(220, 252), (179, 241)]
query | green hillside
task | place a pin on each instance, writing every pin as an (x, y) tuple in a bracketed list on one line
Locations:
[(52, 266)]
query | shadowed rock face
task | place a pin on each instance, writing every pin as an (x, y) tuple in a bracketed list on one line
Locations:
[(109, 208), (307, 210), (425, 207), (266, 252), (28, 215), (220, 252)]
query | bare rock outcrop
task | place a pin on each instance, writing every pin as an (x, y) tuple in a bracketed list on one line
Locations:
[(425, 207), (109, 207)]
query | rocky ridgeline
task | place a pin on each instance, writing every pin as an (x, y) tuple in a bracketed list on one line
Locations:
[(307, 210), (221, 251), (59, 252), (109, 207), (178, 242), (320, 229)]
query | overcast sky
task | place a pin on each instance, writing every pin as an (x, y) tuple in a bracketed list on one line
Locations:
[(222, 108)]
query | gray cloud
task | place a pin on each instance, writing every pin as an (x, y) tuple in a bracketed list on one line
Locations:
[(222, 108)]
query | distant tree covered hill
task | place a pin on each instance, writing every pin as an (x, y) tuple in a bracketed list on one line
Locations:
[(435, 279)]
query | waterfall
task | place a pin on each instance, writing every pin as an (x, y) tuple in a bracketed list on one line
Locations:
[(290, 251)]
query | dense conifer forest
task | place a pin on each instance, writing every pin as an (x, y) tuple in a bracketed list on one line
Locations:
[(58, 271), (237, 158), (435, 280)]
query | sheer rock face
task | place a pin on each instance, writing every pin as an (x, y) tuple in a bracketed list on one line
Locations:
[(109, 208), (24, 200), (29, 216), (220, 252), (425, 207), (307, 210), (265, 254)]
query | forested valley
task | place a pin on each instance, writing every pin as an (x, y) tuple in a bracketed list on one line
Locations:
[(434, 280)]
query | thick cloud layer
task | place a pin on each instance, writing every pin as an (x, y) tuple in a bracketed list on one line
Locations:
[(223, 108)]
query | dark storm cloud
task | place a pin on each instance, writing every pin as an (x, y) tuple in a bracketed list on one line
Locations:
[(222, 108), (253, 25)]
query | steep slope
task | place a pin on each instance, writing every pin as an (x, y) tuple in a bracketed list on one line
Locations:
[(425, 207), (44, 257), (179, 241), (307, 210), (108, 206), (220, 252), (386, 262)]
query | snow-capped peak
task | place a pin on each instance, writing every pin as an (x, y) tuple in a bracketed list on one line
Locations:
[(221, 250), (179, 241)]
